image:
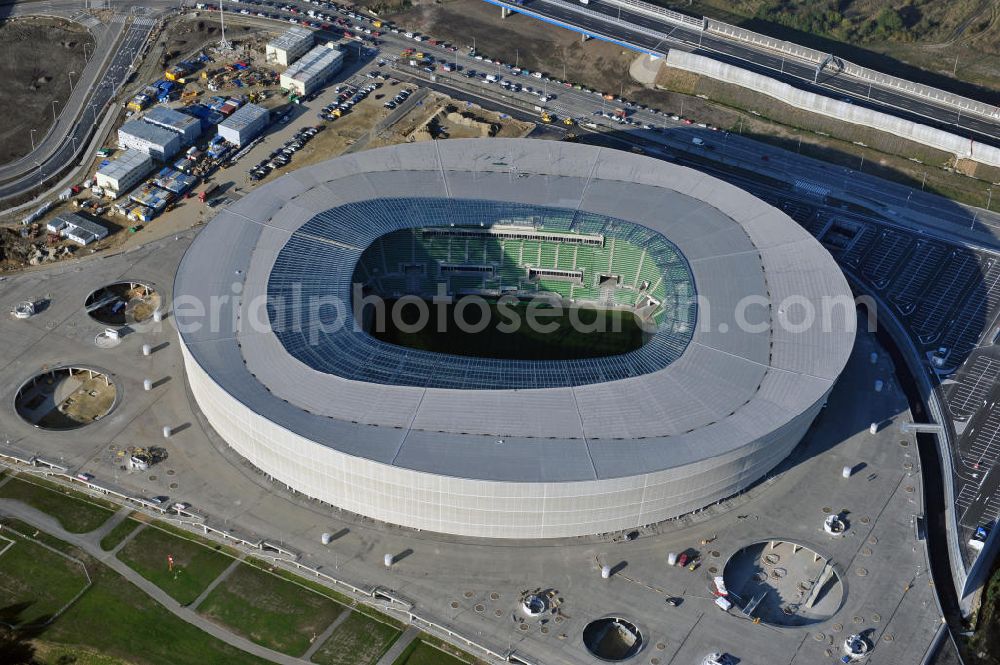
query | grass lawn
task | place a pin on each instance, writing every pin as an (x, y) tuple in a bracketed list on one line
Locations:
[(118, 534), (52, 654), (117, 620), (360, 640), (75, 512), (269, 610), (195, 565), (35, 582), (422, 653)]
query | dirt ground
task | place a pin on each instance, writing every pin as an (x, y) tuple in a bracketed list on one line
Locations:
[(523, 41), (30, 82), (91, 399), (604, 66), (766, 119), (958, 40)]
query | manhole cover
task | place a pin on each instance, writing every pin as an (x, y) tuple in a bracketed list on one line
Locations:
[(494, 596), (865, 519), (873, 540), (660, 646), (545, 630), (861, 572), (152, 477), (454, 604), (480, 607), (866, 551), (173, 486), (857, 620), (904, 442), (468, 594), (715, 553), (523, 626), (654, 661), (819, 637), (837, 627), (827, 509), (888, 637), (909, 489), (876, 618), (170, 472), (559, 619), (499, 613), (713, 570)]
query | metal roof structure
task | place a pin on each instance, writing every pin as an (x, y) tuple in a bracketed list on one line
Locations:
[(126, 163), (79, 228), (313, 63), (669, 435), (291, 38), (347, 352), (245, 116), (148, 132), (168, 118)]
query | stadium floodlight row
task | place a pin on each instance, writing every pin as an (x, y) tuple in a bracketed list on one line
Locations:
[(718, 397)]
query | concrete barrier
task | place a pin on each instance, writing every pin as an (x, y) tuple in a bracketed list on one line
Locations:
[(957, 102), (741, 34), (661, 13), (960, 146)]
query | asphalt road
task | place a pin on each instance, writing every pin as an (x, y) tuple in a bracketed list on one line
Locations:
[(614, 22), (59, 146)]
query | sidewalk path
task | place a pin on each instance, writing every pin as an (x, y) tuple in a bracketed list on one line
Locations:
[(49, 524), (325, 635), (399, 646), (214, 583)]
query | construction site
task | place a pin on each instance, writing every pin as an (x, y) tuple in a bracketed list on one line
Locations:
[(66, 398)]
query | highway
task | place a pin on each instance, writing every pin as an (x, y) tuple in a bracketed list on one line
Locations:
[(120, 45), (647, 33), (655, 128)]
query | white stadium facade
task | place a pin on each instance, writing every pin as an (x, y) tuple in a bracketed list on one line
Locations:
[(501, 448)]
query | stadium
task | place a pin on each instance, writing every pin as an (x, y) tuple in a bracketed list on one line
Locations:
[(721, 385)]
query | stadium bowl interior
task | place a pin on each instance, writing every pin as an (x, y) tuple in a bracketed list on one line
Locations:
[(718, 395)]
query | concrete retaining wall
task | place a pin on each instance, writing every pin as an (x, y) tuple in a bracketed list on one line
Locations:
[(662, 13), (800, 52), (959, 146), (740, 34)]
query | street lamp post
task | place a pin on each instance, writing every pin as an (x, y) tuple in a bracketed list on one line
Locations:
[(54, 102), (31, 134), (71, 81), (989, 197)]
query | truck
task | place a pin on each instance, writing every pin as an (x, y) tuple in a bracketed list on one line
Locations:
[(620, 113), (206, 191)]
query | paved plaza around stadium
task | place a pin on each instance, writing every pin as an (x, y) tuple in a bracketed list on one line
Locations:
[(882, 498), (473, 585)]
